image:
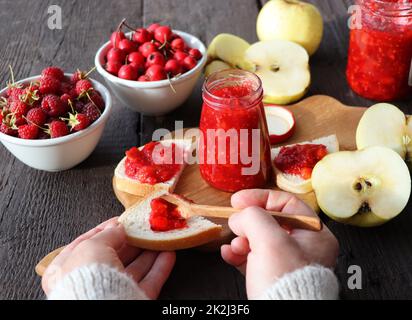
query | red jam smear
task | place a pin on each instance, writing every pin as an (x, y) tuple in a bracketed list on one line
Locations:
[(380, 54), (300, 159), (141, 166), (237, 113), (165, 216)]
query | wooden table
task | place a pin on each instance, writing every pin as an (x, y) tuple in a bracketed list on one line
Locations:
[(40, 211)]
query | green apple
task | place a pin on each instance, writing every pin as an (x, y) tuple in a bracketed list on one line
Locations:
[(291, 20), (229, 49), (216, 66), (283, 67), (363, 188), (385, 125)]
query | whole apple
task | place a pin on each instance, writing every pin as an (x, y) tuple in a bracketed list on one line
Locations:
[(291, 20)]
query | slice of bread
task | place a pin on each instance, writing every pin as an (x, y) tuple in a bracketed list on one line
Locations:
[(294, 183), (135, 220), (132, 186)]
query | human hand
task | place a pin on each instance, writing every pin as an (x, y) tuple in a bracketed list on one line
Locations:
[(263, 250), (106, 244)]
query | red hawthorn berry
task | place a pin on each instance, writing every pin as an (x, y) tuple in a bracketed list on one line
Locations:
[(141, 36), (195, 53), (163, 34), (116, 37)]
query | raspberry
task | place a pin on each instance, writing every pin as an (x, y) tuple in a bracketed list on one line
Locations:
[(65, 98), (57, 129), (68, 88), (53, 72), (79, 122), (83, 86), (78, 106), (37, 116), (91, 111), (97, 99), (19, 108), (49, 85), (53, 106), (4, 128), (77, 76), (28, 131), (14, 93)]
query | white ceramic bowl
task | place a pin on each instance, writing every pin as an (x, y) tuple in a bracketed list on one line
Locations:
[(60, 153), (157, 97)]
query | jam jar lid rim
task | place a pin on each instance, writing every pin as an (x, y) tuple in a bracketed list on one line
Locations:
[(258, 92)]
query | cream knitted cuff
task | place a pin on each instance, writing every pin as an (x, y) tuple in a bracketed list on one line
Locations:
[(312, 282), (97, 282)]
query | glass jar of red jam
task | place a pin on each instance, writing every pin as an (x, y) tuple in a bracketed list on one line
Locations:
[(380, 50), (234, 147)]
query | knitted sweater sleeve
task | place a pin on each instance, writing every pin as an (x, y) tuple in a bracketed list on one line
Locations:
[(101, 282), (312, 282), (97, 282)]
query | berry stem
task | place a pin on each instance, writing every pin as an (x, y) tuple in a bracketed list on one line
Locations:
[(89, 72), (170, 83)]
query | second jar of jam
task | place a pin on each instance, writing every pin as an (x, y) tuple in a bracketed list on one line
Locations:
[(234, 148), (380, 50)]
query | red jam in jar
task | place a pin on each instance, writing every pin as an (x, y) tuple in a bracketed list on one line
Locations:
[(380, 50), (165, 216), (300, 159), (141, 166), (234, 148)]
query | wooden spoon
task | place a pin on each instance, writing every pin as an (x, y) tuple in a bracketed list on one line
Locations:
[(189, 209)]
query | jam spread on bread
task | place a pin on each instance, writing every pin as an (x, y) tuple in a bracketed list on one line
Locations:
[(165, 216), (151, 165), (300, 159)]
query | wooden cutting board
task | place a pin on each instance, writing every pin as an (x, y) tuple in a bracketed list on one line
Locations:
[(316, 117)]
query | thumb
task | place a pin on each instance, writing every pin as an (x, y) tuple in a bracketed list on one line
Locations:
[(258, 227), (113, 236)]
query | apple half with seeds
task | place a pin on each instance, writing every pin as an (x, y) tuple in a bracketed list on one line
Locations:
[(283, 67), (363, 188), (385, 125)]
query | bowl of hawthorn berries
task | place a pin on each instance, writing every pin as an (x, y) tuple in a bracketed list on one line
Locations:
[(151, 70), (53, 122)]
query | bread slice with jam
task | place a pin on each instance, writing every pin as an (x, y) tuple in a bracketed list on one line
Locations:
[(137, 223), (132, 186), (295, 183)]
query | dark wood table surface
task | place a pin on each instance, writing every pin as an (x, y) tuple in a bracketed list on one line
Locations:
[(40, 211)]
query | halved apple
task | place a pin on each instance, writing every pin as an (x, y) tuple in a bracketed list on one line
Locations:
[(363, 188), (216, 66), (385, 125), (229, 49), (283, 67)]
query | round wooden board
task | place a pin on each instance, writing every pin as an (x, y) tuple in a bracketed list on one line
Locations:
[(316, 116)]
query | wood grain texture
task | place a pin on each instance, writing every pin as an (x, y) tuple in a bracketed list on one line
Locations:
[(41, 211)]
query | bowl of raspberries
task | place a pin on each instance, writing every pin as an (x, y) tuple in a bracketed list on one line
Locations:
[(151, 70), (53, 121)]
